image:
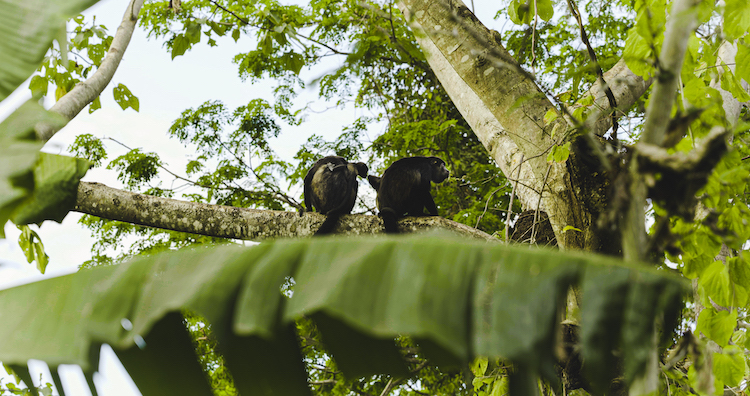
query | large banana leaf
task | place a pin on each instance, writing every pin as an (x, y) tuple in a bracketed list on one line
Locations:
[(458, 299)]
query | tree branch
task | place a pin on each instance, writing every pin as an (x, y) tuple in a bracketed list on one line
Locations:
[(626, 88), (238, 223), (85, 92)]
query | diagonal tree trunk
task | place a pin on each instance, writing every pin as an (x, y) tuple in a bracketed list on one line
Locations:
[(85, 92)]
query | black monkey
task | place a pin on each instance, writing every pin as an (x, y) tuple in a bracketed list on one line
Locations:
[(331, 188), (374, 181), (405, 188)]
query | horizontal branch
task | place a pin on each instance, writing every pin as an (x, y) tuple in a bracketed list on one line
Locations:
[(238, 223)]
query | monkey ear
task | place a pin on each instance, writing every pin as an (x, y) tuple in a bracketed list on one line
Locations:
[(362, 169)]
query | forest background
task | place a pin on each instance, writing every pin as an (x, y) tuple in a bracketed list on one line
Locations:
[(595, 184)]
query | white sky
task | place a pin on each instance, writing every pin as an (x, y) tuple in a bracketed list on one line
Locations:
[(165, 88)]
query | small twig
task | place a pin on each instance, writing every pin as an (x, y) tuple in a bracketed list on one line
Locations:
[(510, 205), (486, 205), (533, 39), (323, 382), (599, 73), (390, 386), (246, 22), (538, 205)]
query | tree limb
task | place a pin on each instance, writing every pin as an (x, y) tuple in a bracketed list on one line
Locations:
[(85, 92), (238, 223)]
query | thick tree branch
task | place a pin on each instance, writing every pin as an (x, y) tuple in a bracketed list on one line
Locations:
[(238, 223), (679, 27), (676, 35), (85, 92), (573, 7), (626, 88)]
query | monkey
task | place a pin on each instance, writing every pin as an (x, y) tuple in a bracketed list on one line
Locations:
[(404, 189), (374, 182), (331, 188)]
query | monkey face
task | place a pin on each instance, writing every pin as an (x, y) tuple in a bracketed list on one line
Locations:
[(439, 171)]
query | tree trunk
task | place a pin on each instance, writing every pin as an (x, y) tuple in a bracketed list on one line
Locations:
[(486, 84)]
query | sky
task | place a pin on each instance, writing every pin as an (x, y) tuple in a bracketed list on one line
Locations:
[(165, 88)]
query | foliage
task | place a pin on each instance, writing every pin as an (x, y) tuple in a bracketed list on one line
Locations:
[(34, 186), (40, 25), (381, 70), (360, 296)]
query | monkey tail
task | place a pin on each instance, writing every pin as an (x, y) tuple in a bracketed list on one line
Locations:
[(390, 220), (329, 223)]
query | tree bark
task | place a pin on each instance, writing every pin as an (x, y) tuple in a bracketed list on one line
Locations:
[(237, 223), (85, 92)]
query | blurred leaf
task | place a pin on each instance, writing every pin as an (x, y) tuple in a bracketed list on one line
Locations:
[(29, 27), (736, 18), (56, 179), (717, 326), (729, 82), (19, 149), (729, 366), (32, 247), (715, 284), (361, 294)]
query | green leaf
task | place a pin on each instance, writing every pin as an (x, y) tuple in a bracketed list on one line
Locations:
[(519, 11), (19, 149), (28, 30), (715, 284), (623, 313), (32, 247), (742, 62), (293, 62), (218, 28), (570, 227), (193, 33), (729, 365), (180, 45), (545, 9), (236, 34), (455, 298), (636, 53), (736, 18), (38, 86), (56, 179), (550, 116), (559, 154), (479, 366), (500, 387), (739, 271), (717, 326), (729, 82), (125, 98), (95, 105)]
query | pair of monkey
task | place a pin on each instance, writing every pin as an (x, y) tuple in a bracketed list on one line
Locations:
[(331, 188)]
